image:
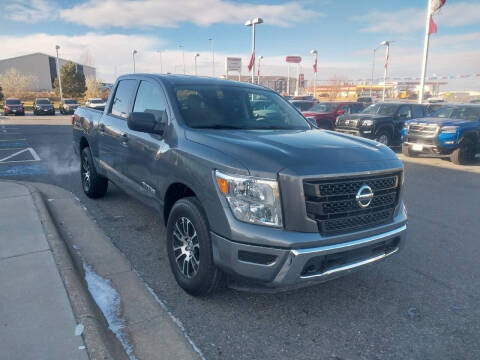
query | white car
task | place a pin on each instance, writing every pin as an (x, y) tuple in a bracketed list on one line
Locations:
[(95, 103)]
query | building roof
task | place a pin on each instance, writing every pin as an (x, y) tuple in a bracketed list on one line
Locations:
[(43, 54)]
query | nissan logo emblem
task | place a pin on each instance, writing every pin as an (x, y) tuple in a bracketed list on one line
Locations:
[(364, 196)]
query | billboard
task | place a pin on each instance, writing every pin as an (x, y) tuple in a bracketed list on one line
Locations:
[(233, 64), (293, 59)]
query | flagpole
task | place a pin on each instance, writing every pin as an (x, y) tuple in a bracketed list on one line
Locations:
[(387, 56), (425, 53)]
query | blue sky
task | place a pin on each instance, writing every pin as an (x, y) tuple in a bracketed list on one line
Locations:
[(344, 32)]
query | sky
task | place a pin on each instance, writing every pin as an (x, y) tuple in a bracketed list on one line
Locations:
[(344, 32)]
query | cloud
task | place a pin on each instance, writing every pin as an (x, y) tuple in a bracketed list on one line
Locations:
[(413, 19), (168, 13), (32, 11)]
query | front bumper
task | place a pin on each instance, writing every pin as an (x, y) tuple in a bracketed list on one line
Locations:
[(362, 132), (279, 267), (441, 144)]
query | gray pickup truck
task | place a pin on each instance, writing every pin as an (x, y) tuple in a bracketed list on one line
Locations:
[(253, 192)]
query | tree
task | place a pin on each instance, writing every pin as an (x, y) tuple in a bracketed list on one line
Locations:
[(73, 82), (95, 89), (16, 84)]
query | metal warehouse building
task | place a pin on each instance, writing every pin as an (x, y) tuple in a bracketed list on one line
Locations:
[(43, 67)]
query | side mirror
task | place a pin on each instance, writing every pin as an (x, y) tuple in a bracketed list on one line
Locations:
[(340, 112), (146, 122)]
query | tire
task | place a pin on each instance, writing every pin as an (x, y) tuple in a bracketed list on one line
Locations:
[(189, 245), (465, 153), (94, 185), (384, 138), (406, 151)]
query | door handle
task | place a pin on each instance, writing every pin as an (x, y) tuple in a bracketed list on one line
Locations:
[(101, 127), (124, 139)]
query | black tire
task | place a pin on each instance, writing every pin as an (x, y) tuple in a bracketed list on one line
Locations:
[(407, 152), (191, 245), (384, 137), (465, 153), (94, 185)]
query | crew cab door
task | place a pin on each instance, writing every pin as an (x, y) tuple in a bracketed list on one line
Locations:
[(112, 130), (146, 167), (404, 113)]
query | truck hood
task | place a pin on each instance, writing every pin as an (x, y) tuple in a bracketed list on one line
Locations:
[(297, 152), (316, 114), (440, 121)]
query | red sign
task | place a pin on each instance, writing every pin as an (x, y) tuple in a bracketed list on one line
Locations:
[(293, 59)]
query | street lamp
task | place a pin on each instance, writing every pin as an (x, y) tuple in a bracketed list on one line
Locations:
[(58, 75), (315, 52), (196, 55), (258, 71), (133, 56), (212, 40), (387, 55), (183, 57), (252, 23), (373, 61)]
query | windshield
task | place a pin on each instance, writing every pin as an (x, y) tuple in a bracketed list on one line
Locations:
[(96, 101), (12, 102), (324, 107), (72, 101), (43, 101), (470, 113), (232, 107), (381, 109)]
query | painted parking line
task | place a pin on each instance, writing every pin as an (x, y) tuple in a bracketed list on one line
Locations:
[(19, 155), (24, 169), (13, 144)]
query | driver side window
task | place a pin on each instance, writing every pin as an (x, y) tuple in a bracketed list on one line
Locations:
[(404, 112)]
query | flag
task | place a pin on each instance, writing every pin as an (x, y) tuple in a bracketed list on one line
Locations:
[(315, 66), (435, 5), (432, 27), (252, 61)]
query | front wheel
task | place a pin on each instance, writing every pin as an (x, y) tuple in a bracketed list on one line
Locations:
[(465, 153), (94, 185), (189, 249), (384, 138)]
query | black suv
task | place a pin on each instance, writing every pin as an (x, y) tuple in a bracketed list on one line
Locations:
[(381, 121), (43, 106)]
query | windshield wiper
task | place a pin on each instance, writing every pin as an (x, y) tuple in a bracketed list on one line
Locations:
[(218, 126)]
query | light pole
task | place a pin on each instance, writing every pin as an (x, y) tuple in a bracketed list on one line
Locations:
[(258, 71), (315, 52), (252, 23), (387, 56), (58, 74), (196, 55), (373, 61), (183, 57), (133, 56), (212, 40)]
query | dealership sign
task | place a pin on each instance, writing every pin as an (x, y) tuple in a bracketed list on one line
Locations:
[(233, 64), (293, 59)]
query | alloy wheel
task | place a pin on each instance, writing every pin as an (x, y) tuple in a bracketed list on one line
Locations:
[(85, 170), (186, 247)]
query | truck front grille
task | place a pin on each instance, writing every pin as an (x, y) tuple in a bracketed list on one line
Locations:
[(332, 203), (422, 130)]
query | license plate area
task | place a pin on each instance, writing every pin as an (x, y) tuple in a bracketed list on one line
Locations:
[(417, 147)]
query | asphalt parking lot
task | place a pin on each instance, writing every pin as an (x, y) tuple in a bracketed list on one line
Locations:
[(420, 304)]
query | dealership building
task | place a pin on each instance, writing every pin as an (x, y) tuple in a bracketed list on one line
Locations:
[(43, 67)]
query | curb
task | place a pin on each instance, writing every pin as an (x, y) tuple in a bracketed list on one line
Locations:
[(148, 330), (100, 342)]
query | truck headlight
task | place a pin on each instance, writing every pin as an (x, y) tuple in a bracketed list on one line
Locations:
[(252, 200), (449, 130), (367, 123)]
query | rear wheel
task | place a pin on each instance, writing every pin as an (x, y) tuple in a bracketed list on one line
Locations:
[(189, 249), (384, 138), (94, 185), (465, 153)]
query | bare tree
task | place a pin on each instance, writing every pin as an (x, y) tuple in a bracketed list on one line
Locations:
[(95, 89), (17, 84)]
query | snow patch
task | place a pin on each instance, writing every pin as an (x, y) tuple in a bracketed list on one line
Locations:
[(79, 329), (108, 300)]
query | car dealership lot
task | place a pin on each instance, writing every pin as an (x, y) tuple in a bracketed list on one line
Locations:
[(422, 303)]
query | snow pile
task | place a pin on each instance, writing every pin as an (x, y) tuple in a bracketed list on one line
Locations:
[(108, 300)]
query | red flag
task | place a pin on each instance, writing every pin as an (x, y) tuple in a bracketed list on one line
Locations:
[(315, 66), (252, 60), (432, 27)]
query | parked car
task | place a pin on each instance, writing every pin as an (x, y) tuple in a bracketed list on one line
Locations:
[(253, 195), (43, 106), (367, 100), (453, 131), (96, 103), (324, 114), (68, 106), (382, 121), (432, 108), (13, 106), (303, 105), (305, 97)]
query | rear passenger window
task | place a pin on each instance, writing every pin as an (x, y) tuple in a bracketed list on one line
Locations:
[(150, 99), (123, 97)]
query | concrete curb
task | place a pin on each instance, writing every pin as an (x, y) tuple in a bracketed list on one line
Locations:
[(149, 328), (100, 342)]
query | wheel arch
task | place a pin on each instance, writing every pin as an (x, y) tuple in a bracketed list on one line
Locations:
[(175, 192)]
